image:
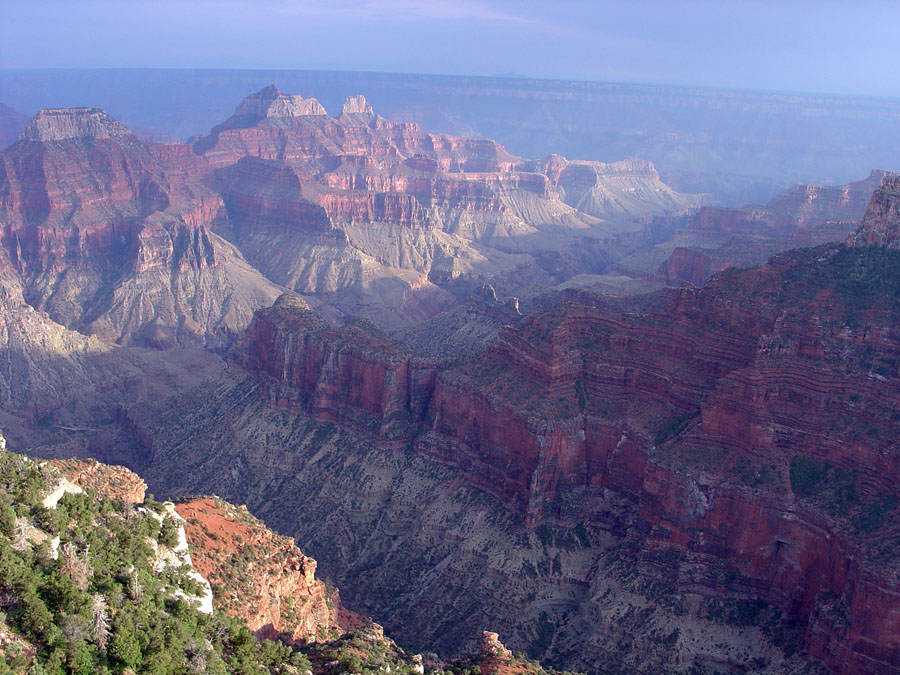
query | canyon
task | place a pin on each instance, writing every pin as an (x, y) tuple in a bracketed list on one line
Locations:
[(201, 561), (395, 347), (744, 147), (660, 475), (140, 243)]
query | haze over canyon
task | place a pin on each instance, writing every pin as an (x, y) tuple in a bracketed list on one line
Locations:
[(635, 409)]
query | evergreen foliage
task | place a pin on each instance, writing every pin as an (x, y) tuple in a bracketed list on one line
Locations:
[(105, 597), (98, 605)]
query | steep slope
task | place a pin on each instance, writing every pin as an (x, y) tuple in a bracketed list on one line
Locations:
[(111, 235), (61, 392), (705, 478), (881, 223), (95, 575), (463, 330), (257, 576), (628, 189)]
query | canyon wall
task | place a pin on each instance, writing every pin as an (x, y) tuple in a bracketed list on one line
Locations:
[(753, 453)]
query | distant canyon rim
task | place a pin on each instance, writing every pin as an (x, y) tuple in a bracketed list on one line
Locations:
[(555, 398)]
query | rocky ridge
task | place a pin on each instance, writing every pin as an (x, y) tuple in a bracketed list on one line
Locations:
[(270, 102), (131, 257), (115, 482), (174, 243), (356, 105), (881, 223), (416, 210), (196, 535), (258, 577)]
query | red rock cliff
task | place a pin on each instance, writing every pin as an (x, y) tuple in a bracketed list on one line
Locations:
[(96, 221), (351, 374), (257, 576), (744, 428)]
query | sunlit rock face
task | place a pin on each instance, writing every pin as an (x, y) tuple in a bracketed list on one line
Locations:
[(113, 236), (59, 124)]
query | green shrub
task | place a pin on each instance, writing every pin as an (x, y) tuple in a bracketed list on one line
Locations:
[(807, 475)]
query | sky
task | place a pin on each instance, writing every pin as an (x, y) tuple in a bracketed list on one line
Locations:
[(827, 46)]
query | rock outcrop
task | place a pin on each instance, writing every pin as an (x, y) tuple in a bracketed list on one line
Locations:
[(115, 482), (464, 330), (492, 647), (389, 199), (144, 243), (630, 188), (881, 223), (61, 124), (259, 577), (270, 102), (113, 236), (704, 475), (351, 375), (356, 105)]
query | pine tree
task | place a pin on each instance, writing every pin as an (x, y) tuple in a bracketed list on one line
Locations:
[(75, 565), (99, 621), (135, 590)]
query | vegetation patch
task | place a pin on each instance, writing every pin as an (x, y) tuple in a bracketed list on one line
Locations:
[(98, 601), (874, 515), (833, 487), (674, 426)]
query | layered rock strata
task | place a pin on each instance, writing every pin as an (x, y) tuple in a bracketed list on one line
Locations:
[(112, 236), (755, 452)]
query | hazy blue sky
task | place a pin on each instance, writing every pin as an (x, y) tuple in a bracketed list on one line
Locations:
[(796, 45)]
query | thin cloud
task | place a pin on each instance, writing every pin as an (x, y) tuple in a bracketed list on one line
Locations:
[(432, 10)]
